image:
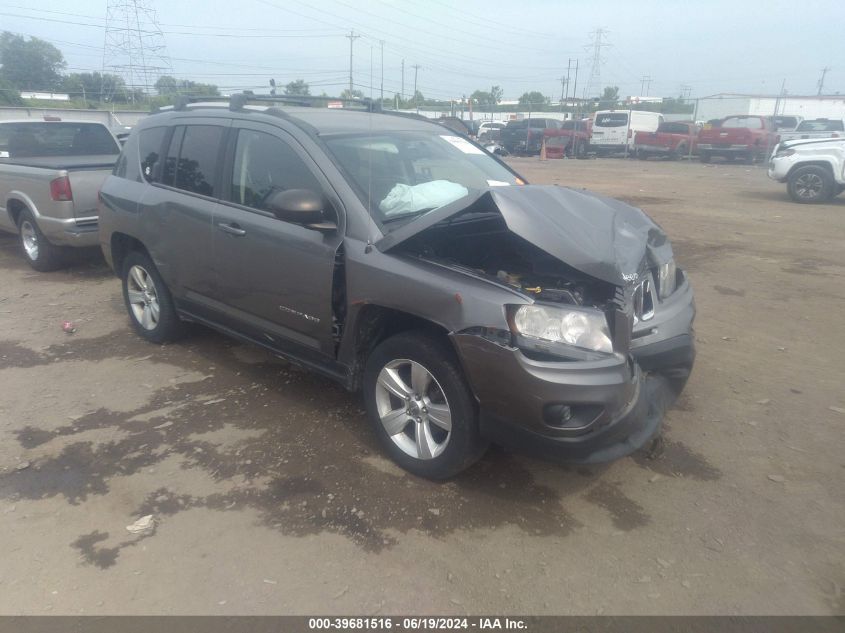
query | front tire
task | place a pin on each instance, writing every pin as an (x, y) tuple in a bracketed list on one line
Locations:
[(810, 185), (421, 407), (704, 157), (39, 252), (148, 301)]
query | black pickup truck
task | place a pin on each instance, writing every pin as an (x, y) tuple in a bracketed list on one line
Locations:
[(526, 136)]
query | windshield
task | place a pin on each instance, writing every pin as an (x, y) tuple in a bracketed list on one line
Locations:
[(673, 128), (823, 125), (42, 139), (403, 174), (611, 119)]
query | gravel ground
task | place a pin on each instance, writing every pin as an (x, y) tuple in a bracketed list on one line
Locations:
[(271, 496)]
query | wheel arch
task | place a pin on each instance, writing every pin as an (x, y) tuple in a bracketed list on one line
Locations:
[(371, 324), (812, 163), (121, 245)]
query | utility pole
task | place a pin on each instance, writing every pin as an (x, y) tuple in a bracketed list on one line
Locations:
[(352, 37), (825, 70), (645, 81), (382, 70), (575, 86), (402, 93), (416, 68)]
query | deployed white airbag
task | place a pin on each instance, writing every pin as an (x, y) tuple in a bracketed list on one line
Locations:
[(404, 199)]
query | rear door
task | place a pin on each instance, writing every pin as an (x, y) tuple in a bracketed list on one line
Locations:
[(611, 128), (274, 277), (176, 213)]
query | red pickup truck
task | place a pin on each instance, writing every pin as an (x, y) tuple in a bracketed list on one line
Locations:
[(743, 136), (675, 140), (571, 139)]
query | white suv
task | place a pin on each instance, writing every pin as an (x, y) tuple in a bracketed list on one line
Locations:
[(813, 169)]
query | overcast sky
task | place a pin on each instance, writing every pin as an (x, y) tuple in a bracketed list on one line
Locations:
[(711, 46)]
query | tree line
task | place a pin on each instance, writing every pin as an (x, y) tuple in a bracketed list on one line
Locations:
[(33, 64)]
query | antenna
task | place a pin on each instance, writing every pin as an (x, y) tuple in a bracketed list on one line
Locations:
[(134, 45)]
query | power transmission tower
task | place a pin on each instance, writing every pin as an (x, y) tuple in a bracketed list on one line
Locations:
[(645, 85), (352, 37), (416, 68), (134, 46), (594, 82), (825, 70), (685, 92)]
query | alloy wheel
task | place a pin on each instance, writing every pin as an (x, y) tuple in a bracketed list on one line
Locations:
[(413, 409), (29, 238), (809, 186), (143, 297)]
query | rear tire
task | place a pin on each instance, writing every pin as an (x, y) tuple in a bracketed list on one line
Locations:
[(704, 157), (810, 185), (38, 251), (148, 301), (679, 153), (421, 407)]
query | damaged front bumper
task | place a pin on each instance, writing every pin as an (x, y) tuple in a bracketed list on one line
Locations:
[(583, 411)]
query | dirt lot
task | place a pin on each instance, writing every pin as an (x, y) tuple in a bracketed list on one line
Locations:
[(273, 497)]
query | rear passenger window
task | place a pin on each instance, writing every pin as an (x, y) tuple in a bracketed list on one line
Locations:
[(191, 160), (149, 149), (264, 165)]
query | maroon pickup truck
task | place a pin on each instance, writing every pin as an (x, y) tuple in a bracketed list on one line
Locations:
[(747, 137), (675, 140)]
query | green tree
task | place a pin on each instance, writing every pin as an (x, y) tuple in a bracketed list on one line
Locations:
[(482, 98), (534, 99), (8, 94), (496, 94), (97, 87), (297, 87), (354, 94), (31, 64), (610, 94), (169, 86)]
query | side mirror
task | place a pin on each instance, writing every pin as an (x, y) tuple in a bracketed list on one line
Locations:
[(300, 206)]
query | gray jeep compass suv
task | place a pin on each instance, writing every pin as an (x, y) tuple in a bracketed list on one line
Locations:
[(401, 259)]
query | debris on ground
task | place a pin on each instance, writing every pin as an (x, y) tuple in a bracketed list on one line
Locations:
[(777, 478), (23, 466), (837, 410), (341, 592), (144, 526), (68, 327)]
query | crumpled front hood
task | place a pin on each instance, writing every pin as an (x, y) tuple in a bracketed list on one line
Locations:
[(601, 237)]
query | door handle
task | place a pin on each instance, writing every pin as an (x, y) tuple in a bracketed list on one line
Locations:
[(232, 229)]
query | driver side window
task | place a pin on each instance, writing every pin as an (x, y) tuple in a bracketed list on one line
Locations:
[(264, 165)]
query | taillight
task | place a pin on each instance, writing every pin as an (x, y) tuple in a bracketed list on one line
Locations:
[(60, 189)]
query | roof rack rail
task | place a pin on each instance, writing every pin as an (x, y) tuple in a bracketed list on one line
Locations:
[(238, 101)]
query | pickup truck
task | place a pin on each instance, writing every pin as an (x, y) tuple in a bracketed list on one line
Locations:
[(813, 169), (815, 128), (748, 137), (526, 136), (50, 176), (572, 139), (675, 140)]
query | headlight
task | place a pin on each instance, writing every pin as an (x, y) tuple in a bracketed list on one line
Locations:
[(783, 152), (581, 328), (667, 278)]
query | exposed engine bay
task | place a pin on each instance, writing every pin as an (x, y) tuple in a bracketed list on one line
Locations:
[(480, 243)]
